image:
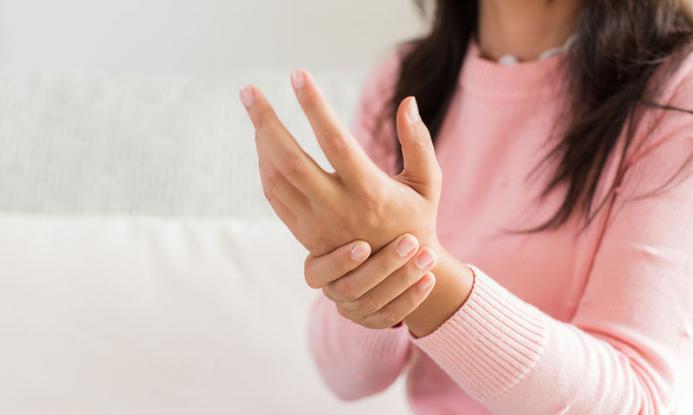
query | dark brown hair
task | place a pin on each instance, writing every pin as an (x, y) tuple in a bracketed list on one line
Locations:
[(619, 46)]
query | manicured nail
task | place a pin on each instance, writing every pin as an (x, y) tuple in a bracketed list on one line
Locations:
[(247, 96), (298, 79), (413, 112), (425, 259), (358, 252), (406, 246), (427, 281)]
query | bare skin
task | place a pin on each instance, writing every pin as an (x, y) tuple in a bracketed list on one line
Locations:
[(372, 237), (525, 28)]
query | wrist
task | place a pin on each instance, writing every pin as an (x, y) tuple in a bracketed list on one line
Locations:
[(454, 281)]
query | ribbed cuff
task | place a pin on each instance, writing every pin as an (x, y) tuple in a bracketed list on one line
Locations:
[(491, 343), (376, 343), (354, 338)]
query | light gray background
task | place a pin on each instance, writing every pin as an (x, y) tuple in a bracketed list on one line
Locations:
[(198, 36), (131, 106)]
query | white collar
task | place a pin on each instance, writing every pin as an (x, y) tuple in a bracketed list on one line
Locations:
[(510, 59)]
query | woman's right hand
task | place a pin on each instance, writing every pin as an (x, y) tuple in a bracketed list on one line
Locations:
[(376, 291)]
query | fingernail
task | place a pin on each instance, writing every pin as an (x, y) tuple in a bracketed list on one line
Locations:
[(247, 96), (427, 281), (406, 246), (358, 252), (413, 112), (425, 259), (298, 79)]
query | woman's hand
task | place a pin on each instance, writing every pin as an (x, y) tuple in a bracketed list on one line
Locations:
[(356, 202), (376, 292)]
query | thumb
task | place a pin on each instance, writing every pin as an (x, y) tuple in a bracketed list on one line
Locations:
[(421, 169)]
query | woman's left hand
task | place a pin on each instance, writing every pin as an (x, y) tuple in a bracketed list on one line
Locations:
[(376, 291), (358, 201)]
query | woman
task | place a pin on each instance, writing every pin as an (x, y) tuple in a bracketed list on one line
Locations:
[(540, 261)]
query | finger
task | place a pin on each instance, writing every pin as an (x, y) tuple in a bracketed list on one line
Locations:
[(394, 285), (421, 169), (274, 184), (342, 151), (284, 213), (402, 306), (283, 150), (320, 271), (389, 259)]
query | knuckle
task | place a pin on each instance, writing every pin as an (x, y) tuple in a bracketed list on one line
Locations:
[(336, 142), (384, 266), (389, 263), (320, 245), (368, 304), (345, 263), (392, 262), (344, 288), (292, 166), (310, 279), (271, 177), (269, 182)]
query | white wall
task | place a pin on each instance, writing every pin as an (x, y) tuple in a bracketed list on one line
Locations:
[(198, 36)]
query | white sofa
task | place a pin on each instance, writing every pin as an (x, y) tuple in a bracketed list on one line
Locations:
[(141, 272)]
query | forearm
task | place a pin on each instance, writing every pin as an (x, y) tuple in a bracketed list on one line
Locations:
[(516, 359), (355, 361)]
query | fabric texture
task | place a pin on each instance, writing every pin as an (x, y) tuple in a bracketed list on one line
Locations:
[(76, 143), (560, 321), (123, 315)]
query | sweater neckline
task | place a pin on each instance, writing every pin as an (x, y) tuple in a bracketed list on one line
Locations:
[(491, 78)]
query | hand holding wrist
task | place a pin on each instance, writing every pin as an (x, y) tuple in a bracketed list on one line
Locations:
[(453, 286)]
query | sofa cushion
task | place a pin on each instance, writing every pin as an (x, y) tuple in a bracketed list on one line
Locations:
[(108, 315)]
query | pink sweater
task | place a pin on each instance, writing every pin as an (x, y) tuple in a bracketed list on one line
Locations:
[(599, 322)]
